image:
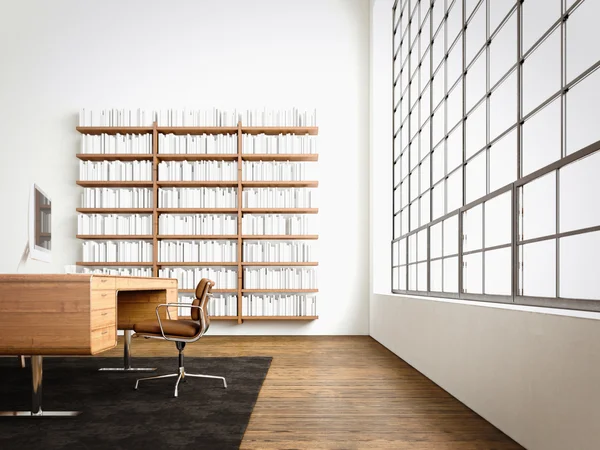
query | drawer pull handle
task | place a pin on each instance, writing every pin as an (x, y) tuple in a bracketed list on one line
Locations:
[(104, 332), (104, 295), (104, 313)]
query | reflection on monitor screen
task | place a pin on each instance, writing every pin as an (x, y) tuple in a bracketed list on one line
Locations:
[(40, 226)]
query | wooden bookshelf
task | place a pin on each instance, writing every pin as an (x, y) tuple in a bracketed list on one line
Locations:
[(115, 237), (155, 184)]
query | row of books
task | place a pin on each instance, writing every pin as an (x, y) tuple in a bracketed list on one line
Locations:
[(115, 170), (188, 278), (197, 251), (279, 144), (292, 117), (197, 171), (218, 305), (197, 198), (119, 271), (211, 144), (278, 224), (134, 224), (116, 198), (197, 224), (196, 118), (110, 144), (277, 252), (273, 171), (280, 278), (278, 198), (117, 251), (279, 305)]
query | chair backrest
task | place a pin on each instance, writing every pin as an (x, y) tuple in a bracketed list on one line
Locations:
[(203, 290)]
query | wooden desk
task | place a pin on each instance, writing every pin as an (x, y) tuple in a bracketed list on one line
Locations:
[(74, 314)]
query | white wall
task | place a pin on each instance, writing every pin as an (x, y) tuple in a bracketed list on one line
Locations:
[(60, 56), (531, 372)]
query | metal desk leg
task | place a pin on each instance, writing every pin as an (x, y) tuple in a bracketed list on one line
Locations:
[(127, 359), (36, 396)]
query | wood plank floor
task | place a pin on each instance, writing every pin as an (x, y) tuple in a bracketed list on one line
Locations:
[(342, 392)]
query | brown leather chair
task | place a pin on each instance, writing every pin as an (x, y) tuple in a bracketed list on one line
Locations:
[(180, 331)]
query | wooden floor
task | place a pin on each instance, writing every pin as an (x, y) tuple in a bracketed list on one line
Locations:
[(346, 392)]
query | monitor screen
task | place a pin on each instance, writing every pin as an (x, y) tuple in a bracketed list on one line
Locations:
[(40, 234)]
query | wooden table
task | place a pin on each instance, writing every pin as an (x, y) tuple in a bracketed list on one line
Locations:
[(74, 314)]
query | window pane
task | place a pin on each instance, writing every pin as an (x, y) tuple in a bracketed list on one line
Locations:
[(454, 21), (476, 177), (395, 275), (414, 216), (397, 226), (425, 72), (582, 119), (454, 63), (422, 245), (414, 185), (541, 73), (541, 138), (451, 236), (454, 105), (473, 273), (402, 252), (538, 275), (503, 161), (451, 274), (473, 229), (503, 49), (454, 189), (498, 11), (412, 248), (503, 106), (412, 277), (438, 125), (425, 208), (539, 207), (538, 17), (435, 275), (425, 139), (397, 204), (438, 14), (439, 88), (476, 130), (498, 272), (438, 49), (582, 37), (475, 33), (422, 277), (438, 169), (425, 175), (454, 148), (404, 193), (437, 197), (395, 257), (498, 220), (475, 82), (414, 155), (435, 236), (579, 192), (404, 218), (578, 266), (402, 281)]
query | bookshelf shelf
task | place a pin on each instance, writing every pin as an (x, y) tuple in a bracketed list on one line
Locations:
[(280, 210), (197, 237), (156, 157), (280, 184), (281, 264), (114, 237), (115, 210), (279, 157), (197, 210), (115, 157), (196, 264), (199, 157), (115, 130), (115, 264), (230, 183), (283, 237), (127, 184)]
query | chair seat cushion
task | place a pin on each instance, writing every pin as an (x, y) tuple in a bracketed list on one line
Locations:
[(182, 328)]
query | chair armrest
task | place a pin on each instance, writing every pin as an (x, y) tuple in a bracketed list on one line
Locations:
[(167, 305)]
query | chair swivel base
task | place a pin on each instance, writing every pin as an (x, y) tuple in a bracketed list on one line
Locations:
[(181, 375)]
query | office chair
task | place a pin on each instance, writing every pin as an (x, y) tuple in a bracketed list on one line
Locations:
[(180, 331)]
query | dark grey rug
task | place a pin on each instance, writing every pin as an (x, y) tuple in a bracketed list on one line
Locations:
[(115, 416)]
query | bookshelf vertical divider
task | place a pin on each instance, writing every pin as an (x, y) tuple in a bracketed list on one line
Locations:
[(239, 223), (155, 199)]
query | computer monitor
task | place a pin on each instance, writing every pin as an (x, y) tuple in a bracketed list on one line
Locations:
[(40, 225)]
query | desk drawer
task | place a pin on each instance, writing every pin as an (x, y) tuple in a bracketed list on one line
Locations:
[(103, 299), (104, 339), (102, 282), (102, 318)]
